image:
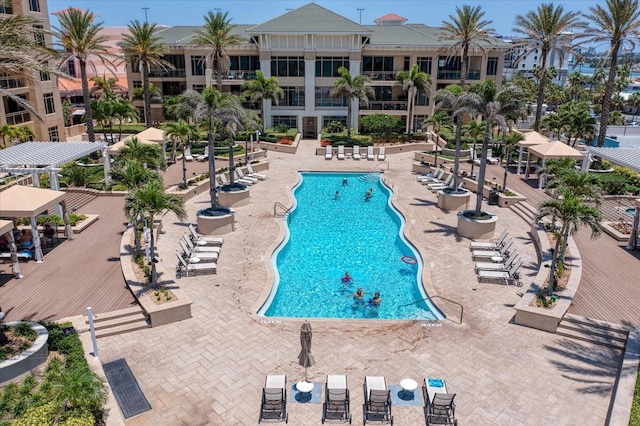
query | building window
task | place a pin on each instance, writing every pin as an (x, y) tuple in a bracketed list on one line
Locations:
[(244, 63), (34, 5), (293, 97), (424, 64), (423, 98), (53, 134), (49, 106), (173, 88), (71, 67), (7, 9), (407, 63), (38, 35), (382, 93), (377, 63), (324, 99), (137, 83), (198, 87), (282, 66), (45, 76), (198, 65), (326, 119), (492, 66), (328, 66), (289, 120)]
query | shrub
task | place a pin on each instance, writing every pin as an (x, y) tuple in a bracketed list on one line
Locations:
[(282, 128), (334, 127), (382, 125), (285, 141), (41, 220), (24, 330)]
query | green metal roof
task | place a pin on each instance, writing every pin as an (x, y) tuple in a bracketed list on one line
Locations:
[(181, 35), (309, 19)]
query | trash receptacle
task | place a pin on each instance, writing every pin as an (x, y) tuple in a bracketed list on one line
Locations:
[(493, 197)]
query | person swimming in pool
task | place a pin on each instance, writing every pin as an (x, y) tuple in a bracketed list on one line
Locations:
[(358, 297), (337, 195), (347, 277), (376, 300), (367, 195), (345, 182)]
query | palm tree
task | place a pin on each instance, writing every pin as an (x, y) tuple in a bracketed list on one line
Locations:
[(351, 87), (216, 36), (448, 99), (493, 106), (146, 202), (218, 113), (510, 141), (617, 24), (263, 88), (576, 85), (102, 110), (104, 85), (179, 132), (545, 29), (413, 82), (80, 38), (149, 154), (123, 111), (133, 174), (572, 212), (474, 130), (144, 45), (7, 131), (437, 120), (634, 103), (79, 389)]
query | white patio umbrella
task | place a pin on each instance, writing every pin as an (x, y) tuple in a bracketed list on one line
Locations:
[(633, 238), (305, 358)]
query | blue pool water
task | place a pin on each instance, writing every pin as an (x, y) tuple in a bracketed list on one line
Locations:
[(328, 235)]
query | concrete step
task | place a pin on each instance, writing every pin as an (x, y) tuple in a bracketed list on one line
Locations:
[(590, 337), (533, 211), (116, 322), (108, 316), (522, 212), (126, 328), (594, 331), (608, 326)]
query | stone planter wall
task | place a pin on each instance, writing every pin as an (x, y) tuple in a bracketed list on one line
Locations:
[(191, 191), (234, 198), (474, 229), (613, 233), (453, 201), (215, 225), (15, 368)]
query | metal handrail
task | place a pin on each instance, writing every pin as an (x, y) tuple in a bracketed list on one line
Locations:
[(376, 166), (286, 209), (439, 297)]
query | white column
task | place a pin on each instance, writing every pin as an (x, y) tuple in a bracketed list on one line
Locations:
[(54, 184), (106, 165), (36, 179), (586, 161), (36, 239), (354, 70), (519, 160), (265, 68)]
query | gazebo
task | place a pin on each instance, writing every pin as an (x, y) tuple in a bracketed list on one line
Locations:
[(6, 229), (553, 150), (25, 201), (532, 138)]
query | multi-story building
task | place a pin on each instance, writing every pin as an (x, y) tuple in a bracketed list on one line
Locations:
[(42, 93), (304, 48)]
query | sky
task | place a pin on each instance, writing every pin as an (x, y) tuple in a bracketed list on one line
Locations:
[(191, 12)]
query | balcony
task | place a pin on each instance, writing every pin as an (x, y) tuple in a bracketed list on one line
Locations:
[(455, 75), (179, 72), (385, 106), (11, 83), (14, 118), (381, 75), (239, 75)]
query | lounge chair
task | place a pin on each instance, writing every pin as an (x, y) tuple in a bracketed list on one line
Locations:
[(377, 401), (328, 154), (204, 156), (370, 154), (188, 157), (504, 276), (497, 266), (341, 152), (54, 236), (434, 177), (336, 403), (382, 153), (241, 175), (243, 181), (194, 268), (199, 249), (192, 256), (356, 152), (489, 245), (439, 405), (22, 255), (252, 173), (491, 159), (201, 240), (274, 399), (504, 251), (440, 185)]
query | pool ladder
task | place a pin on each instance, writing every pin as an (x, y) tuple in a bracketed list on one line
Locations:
[(280, 210)]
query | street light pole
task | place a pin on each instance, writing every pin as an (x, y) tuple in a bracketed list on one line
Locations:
[(145, 14), (360, 10)]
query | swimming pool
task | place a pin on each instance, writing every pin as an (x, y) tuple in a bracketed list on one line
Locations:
[(332, 229)]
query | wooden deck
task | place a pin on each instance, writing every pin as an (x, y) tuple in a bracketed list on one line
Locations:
[(75, 274)]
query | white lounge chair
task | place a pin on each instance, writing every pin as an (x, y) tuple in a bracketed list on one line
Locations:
[(382, 153), (200, 249), (328, 155), (440, 185), (204, 156), (188, 157), (504, 276), (252, 173), (482, 245), (439, 406), (341, 152), (356, 152), (241, 175), (274, 399), (434, 178), (491, 159), (336, 404), (497, 266), (242, 180), (377, 400), (202, 240), (485, 254), (194, 257), (194, 268), (24, 255), (370, 154)]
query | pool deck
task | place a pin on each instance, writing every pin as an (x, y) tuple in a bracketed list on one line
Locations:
[(210, 370)]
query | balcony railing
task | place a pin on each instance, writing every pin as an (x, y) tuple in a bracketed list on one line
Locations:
[(14, 118), (11, 83), (180, 72), (381, 75), (455, 75), (385, 105), (239, 75)]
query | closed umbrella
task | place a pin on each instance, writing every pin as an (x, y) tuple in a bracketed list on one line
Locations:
[(305, 359), (15, 266), (633, 238)]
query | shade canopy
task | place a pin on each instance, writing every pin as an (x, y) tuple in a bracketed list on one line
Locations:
[(45, 154), (5, 226), (555, 150), (148, 136), (532, 139), (27, 201), (627, 157)]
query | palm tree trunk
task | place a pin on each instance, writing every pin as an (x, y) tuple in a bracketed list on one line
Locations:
[(264, 117), (218, 68), (147, 93), (154, 273), (456, 158), (565, 243), (483, 169), (554, 266), (435, 157), (184, 169), (464, 67), (232, 175), (87, 101), (541, 84), (174, 149), (506, 168), (348, 121), (608, 90), (213, 195)]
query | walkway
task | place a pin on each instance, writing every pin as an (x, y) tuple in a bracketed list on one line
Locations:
[(210, 369)]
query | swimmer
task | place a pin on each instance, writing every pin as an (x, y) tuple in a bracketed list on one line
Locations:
[(367, 196), (345, 182), (346, 278), (375, 302), (358, 297), (337, 195)]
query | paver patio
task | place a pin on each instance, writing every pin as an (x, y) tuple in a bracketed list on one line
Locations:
[(209, 370)]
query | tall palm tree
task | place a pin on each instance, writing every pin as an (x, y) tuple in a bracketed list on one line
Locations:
[(105, 85), (216, 36), (438, 120), (448, 99), (351, 87), (634, 103), (220, 114), (492, 106), (178, 131), (617, 24), (413, 82), (264, 89), (7, 131), (133, 174), (149, 154), (510, 141), (545, 29), (576, 82), (144, 45), (80, 38), (123, 111), (572, 212), (146, 202)]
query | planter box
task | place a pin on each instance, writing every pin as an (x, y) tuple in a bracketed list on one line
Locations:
[(271, 146), (453, 201), (14, 368), (507, 200), (165, 313), (476, 229), (216, 225), (613, 233), (234, 198), (191, 191)]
